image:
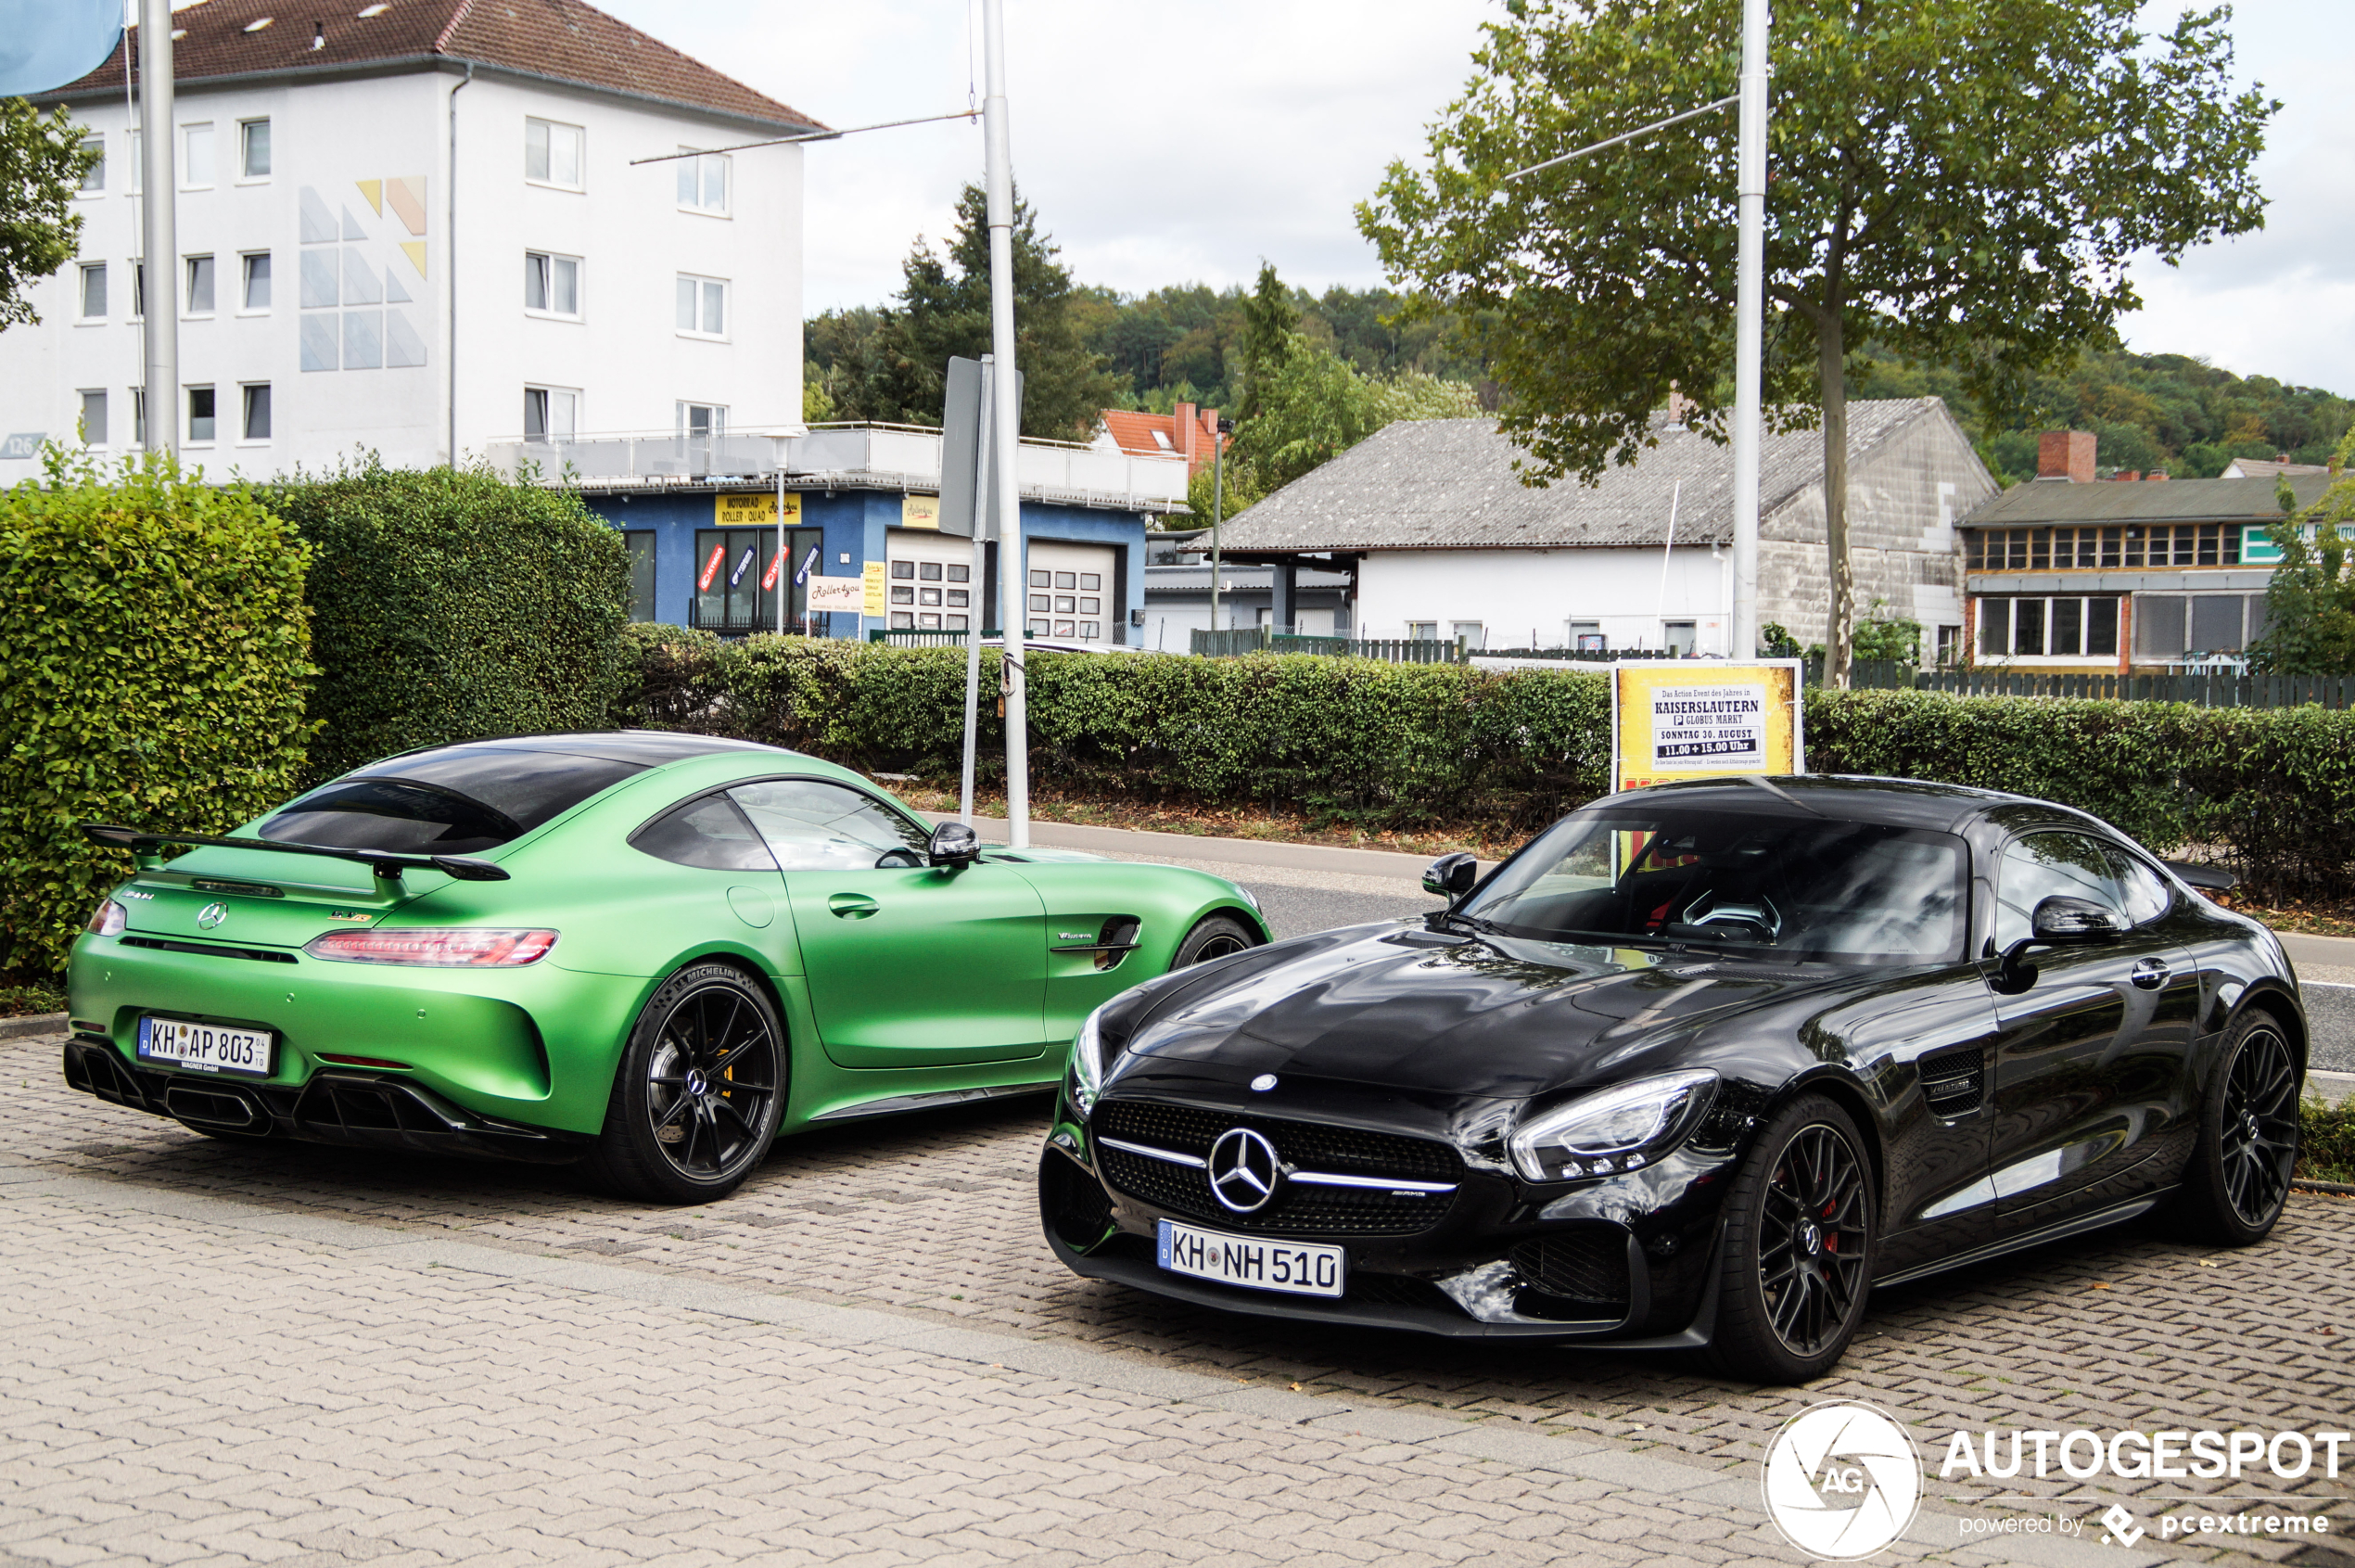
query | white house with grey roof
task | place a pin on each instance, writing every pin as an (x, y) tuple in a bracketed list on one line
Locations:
[(1442, 538)]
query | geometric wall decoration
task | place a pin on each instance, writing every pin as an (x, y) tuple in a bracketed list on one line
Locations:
[(351, 275)]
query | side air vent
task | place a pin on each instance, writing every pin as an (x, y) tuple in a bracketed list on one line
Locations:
[(1955, 1081)]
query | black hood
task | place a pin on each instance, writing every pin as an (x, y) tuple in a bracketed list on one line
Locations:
[(1496, 1017)]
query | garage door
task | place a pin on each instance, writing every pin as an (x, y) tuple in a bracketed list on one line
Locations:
[(1073, 591)]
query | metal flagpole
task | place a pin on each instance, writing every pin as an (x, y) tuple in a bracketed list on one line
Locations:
[(976, 597), (1750, 305), (1014, 576), (785, 582), (1217, 507), (159, 283)]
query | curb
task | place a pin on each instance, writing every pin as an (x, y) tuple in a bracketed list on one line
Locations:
[(2342, 1189), (38, 1023)]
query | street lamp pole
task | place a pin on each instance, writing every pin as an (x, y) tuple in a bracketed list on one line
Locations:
[(1005, 429), (1218, 509), (1750, 303), (159, 280)]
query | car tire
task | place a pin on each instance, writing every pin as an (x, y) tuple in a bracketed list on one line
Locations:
[(1796, 1253), (2237, 1181), (699, 1093), (1214, 936)]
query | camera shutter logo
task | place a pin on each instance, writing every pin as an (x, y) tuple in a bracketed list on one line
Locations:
[(1843, 1481)]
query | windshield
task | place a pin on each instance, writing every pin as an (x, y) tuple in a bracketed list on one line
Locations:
[(1792, 886), (457, 800)]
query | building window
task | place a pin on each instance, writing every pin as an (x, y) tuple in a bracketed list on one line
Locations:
[(94, 291), (2064, 627), (903, 621), (1950, 644), (906, 570), (552, 284), (1042, 580), (255, 286), (1586, 637), (955, 624), (94, 179), (903, 596), (138, 288), (958, 573), (1473, 634), (93, 418), (640, 542), (551, 154), (961, 598), (702, 306), (2191, 625), (199, 414), (1064, 602), (702, 420), (2121, 545), (199, 286), (1422, 631), (1091, 583), (254, 417), (1091, 606), (138, 416), (1093, 630), (1037, 628), (196, 157), (703, 183), (551, 414), (929, 572), (1041, 604), (1066, 580), (253, 149)]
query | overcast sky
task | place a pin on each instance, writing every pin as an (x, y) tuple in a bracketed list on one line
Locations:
[(1183, 142)]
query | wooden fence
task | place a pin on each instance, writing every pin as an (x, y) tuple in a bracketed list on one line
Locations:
[(1391, 650)]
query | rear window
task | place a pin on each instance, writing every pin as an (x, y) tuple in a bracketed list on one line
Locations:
[(458, 800)]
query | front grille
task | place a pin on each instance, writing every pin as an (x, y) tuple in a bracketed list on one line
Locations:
[(1588, 1264), (1303, 1145), (1955, 1081)]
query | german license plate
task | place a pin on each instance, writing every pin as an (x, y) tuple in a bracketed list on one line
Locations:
[(1253, 1262), (205, 1048)]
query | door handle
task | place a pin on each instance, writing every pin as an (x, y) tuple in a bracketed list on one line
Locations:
[(857, 906), (2150, 973)]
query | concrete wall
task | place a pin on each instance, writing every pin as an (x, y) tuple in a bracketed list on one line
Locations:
[(358, 190), (1517, 594)]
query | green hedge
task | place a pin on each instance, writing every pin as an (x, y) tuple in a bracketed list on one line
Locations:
[(2270, 790), (449, 603), (155, 658)]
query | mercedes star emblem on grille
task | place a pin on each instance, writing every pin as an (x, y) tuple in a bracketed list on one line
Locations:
[(1263, 1082), (1243, 1170)]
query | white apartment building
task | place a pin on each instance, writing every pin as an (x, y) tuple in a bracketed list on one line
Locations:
[(417, 227)]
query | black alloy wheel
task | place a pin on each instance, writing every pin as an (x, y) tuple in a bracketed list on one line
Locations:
[(700, 1090), (1797, 1265), (1217, 936), (2238, 1181)]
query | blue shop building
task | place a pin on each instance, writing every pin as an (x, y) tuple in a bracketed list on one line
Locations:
[(862, 548)]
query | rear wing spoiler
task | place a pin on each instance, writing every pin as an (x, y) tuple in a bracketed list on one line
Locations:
[(149, 848)]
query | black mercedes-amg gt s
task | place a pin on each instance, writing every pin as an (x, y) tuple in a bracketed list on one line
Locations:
[(1696, 1067)]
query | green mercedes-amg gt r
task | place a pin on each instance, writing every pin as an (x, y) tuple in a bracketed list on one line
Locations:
[(650, 952)]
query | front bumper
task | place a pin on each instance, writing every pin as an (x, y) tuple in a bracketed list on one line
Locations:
[(1629, 1262), (352, 1109)]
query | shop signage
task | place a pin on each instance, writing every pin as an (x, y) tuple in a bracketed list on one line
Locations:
[(848, 595), (757, 509), (920, 512), (878, 600), (1688, 719)]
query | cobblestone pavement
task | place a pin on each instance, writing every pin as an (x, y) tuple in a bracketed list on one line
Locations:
[(305, 1354)]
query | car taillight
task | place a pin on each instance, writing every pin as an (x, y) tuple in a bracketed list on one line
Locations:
[(108, 919), (454, 948)]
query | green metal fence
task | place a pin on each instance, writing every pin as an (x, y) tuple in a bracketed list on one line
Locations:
[(925, 639)]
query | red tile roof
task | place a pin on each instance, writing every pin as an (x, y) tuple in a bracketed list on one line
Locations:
[(1187, 433), (562, 40)]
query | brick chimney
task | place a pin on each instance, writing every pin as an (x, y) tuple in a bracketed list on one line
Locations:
[(2156, 474), (2131, 475), (1680, 407), (1182, 420), (2066, 455)]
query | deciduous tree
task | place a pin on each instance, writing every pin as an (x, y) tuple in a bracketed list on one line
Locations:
[(1959, 181), (42, 164)]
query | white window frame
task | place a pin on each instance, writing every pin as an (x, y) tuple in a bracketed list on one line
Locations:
[(1422, 631), (138, 289), (99, 172), (188, 414), (718, 418), (245, 139), (245, 259), (138, 416), (82, 294), (703, 302), (188, 159), (550, 396), (581, 155), (244, 391), (550, 259), (2008, 605), (699, 167), (189, 286), (81, 414)]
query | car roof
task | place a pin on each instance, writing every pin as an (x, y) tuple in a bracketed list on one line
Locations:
[(648, 749), (1911, 803)]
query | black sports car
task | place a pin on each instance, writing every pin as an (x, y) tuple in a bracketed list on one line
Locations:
[(1698, 1066)]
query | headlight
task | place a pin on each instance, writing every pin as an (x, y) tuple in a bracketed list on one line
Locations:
[(1249, 895), (1626, 1127), (108, 919), (1086, 1079)]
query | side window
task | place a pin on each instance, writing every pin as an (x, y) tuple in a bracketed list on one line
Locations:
[(710, 832), (2141, 893), (2046, 865), (815, 826)]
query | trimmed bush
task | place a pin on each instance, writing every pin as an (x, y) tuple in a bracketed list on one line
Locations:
[(154, 665), (449, 603), (1386, 745)]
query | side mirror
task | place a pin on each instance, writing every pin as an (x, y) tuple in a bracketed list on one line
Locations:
[(955, 844), (2057, 922), (1451, 877)]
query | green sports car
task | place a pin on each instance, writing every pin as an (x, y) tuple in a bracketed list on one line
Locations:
[(649, 951)]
